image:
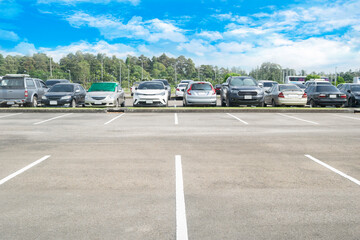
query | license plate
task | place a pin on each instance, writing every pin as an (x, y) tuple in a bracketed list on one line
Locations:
[(10, 103), (53, 102), (149, 102), (247, 97), (98, 103), (201, 94), (332, 96)]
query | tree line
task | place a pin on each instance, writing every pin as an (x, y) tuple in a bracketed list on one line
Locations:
[(86, 68)]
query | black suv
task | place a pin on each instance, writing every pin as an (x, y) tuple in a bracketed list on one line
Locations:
[(241, 91), (352, 91)]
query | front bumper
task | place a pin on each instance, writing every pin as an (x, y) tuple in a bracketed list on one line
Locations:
[(150, 100), (241, 99), (57, 102), (99, 103)]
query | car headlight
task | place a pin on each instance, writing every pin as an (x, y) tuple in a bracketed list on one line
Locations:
[(110, 97), (162, 94), (87, 97), (65, 97), (234, 91), (43, 97)]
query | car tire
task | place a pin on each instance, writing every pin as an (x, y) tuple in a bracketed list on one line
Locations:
[(33, 103), (222, 102), (123, 103), (312, 103), (73, 103), (263, 104), (350, 102), (228, 103)]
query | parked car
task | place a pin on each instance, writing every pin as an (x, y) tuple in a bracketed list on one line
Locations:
[(266, 84), (132, 89), (217, 88), (52, 82), (167, 86), (241, 91), (107, 94), (185, 81), (352, 91), (199, 93), (325, 95), (151, 93), (65, 94), (22, 90), (316, 81), (285, 94), (179, 91)]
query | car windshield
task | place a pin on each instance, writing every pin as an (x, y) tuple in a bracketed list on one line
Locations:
[(103, 87), (355, 88), (302, 86), (165, 82), (238, 82), (268, 84), (52, 82), (329, 88), (288, 87), (182, 85), (13, 83), (151, 85), (201, 86), (62, 88)]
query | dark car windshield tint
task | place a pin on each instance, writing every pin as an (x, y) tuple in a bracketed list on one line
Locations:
[(201, 86), (327, 89), (268, 84), (62, 88), (355, 88), (288, 87), (13, 83), (151, 85), (52, 82), (163, 81), (239, 82)]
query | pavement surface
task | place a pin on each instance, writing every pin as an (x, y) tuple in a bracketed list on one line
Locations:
[(244, 175)]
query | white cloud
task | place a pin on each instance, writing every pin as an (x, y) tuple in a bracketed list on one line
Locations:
[(212, 35), (197, 47), (111, 28), (234, 47), (8, 35)]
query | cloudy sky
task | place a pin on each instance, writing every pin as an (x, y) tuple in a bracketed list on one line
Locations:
[(315, 35)]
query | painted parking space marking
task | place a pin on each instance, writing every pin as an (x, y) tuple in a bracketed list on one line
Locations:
[(52, 119), (347, 117), (176, 119), (10, 115), (238, 119), (4, 180), (300, 119), (334, 170), (181, 224), (114, 119)]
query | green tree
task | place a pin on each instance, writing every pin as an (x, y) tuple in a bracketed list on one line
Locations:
[(312, 76), (230, 75), (340, 80)]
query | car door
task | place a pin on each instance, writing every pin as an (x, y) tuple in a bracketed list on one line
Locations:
[(121, 94), (40, 89), (82, 95), (268, 96)]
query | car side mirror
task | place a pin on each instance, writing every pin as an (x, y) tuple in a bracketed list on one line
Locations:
[(267, 91), (261, 85), (349, 91), (136, 88), (183, 90)]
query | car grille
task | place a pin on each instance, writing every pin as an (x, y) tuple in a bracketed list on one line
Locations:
[(243, 93), (98, 98), (54, 97)]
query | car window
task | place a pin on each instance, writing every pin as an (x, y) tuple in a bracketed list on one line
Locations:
[(13, 83), (239, 82), (62, 88), (201, 86), (355, 88), (327, 89), (38, 83), (267, 84), (288, 87), (30, 83), (43, 85), (151, 85)]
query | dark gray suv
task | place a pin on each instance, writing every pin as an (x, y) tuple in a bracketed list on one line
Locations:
[(22, 90), (241, 91)]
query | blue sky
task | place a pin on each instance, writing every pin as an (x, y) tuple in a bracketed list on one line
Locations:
[(312, 35)]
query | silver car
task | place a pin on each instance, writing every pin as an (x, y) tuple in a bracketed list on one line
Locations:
[(199, 93), (285, 95), (106, 94)]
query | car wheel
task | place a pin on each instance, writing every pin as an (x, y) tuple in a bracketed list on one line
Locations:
[(222, 102), (273, 103), (73, 103), (312, 103), (263, 104), (123, 103), (228, 103), (34, 102), (350, 102)]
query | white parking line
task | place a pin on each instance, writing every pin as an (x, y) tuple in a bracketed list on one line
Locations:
[(298, 119), (114, 119), (181, 224), (4, 180), (52, 119), (176, 119), (10, 115), (334, 169), (237, 118), (347, 117)]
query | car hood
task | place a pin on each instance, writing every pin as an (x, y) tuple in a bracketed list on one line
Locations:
[(49, 94), (151, 91), (247, 88), (100, 94)]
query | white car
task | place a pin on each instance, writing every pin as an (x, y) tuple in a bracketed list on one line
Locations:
[(179, 91), (152, 93)]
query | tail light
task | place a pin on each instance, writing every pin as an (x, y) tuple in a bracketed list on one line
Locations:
[(304, 95), (188, 91), (177, 89), (342, 96), (322, 95), (26, 93), (281, 95), (214, 92)]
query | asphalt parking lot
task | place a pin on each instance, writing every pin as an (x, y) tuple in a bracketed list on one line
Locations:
[(120, 176)]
